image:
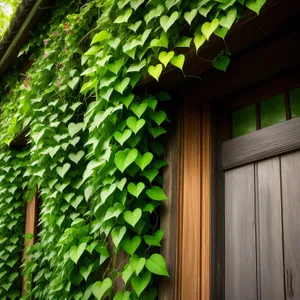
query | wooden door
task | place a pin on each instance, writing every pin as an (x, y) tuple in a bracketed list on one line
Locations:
[(262, 229)]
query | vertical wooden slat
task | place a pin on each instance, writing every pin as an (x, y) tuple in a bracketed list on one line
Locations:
[(191, 204), (205, 202), (290, 172), (270, 262), (240, 244), (30, 227)]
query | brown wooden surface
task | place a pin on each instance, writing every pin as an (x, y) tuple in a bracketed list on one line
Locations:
[(30, 227), (240, 235), (169, 208), (269, 230), (270, 141), (290, 165)]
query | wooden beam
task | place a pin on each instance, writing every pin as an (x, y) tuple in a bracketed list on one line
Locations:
[(30, 227)]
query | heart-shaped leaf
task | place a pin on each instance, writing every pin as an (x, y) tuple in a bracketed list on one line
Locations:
[(184, 42), (76, 252), (121, 86), (139, 283), (190, 15), (159, 117), (76, 157), (134, 124), (134, 27), (255, 5), (85, 271), (136, 3), (122, 137), (100, 289), (178, 61), (116, 66), (135, 190), (72, 83), (228, 20), (117, 235), (75, 128), (150, 174), (126, 100), (122, 296), (130, 246), (125, 158), (221, 32), (199, 40), (144, 160), (156, 193), (170, 3), (166, 22), (157, 131), (61, 171), (154, 13), (124, 18), (221, 62), (157, 265), (165, 57), (101, 36), (155, 71), (133, 217), (53, 150), (139, 109), (107, 191), (208, 28), (161, 42)]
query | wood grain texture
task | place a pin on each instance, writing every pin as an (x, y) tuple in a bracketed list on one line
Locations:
[(264, 143), (269, 229), (30, 227), (205, 201), (240, 239), (290, 172), (190, 247)]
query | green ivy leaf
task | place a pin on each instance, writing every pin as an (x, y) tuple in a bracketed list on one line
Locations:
[(122, 85), (134, 124), (154, 13), (161, 42), (85, 271), (156, 193), (139, 109), (157, 265), (101, 289), (170, 3), (117, 235), (72, 83), (166, 22), (208, 28), (134, 27), (125, 17), (122, 137), (159, 117), (221, 62), (125, 158), (255, 5), (135, 190), (144, 160), (131, 245), (178, 61), (76, 157), (165, 57), (190, 15), (139, 283), (61, 171), (228, 20), (75, 128), (150, 174), (155, 71), (135, 4), (221, 32), (122, 296), (76, 252), (133, 217)]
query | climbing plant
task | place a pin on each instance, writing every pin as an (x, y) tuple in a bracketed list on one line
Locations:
[(96, 140)]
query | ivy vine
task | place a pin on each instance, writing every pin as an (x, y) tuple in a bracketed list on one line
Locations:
[(95, 149)]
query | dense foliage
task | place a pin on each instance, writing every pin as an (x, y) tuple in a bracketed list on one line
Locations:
[(95, 147), (7, 11)]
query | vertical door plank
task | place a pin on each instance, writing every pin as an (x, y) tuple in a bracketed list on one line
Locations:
[(270, 252), (205, 202), (190, 223), (290, 170), (240, 244)]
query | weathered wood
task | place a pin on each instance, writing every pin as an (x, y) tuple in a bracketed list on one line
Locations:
[(269, 230), (271, 141), (240, 235), (30, 227), (290, 172)]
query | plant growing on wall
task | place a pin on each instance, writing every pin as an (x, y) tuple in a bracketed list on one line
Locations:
[(96, 149)]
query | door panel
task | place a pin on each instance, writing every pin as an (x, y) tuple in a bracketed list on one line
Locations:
[(270, 255), (290, 170), (240, 254)]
